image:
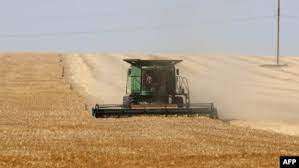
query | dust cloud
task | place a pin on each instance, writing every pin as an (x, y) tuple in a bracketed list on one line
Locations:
[(244, 92)]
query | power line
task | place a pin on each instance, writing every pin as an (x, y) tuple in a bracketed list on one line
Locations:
[(37, 35), (131, 29), (290, 16), (249, 19)]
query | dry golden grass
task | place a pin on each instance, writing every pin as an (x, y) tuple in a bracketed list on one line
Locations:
[(43, 123)]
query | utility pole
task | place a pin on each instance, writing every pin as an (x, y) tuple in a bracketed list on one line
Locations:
[(278, 64), (278, 32)]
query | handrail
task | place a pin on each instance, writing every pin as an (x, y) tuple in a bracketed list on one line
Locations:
[(183, 88)]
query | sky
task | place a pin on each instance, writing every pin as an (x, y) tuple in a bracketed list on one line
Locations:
[(148, 26)]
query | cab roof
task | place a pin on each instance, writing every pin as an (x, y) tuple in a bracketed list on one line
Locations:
[(152, 62)]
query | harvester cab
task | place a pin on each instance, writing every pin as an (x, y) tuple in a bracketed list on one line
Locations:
[(155, 82), (155, 87)]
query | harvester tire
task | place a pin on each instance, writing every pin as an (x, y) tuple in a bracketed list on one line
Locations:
[(127, 100), (179, 101), (214, 114)]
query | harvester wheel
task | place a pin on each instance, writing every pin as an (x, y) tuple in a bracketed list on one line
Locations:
[(214, 114), (127, 100), (179, 101)]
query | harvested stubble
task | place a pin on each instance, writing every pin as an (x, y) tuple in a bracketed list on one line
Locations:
[(43, 123)]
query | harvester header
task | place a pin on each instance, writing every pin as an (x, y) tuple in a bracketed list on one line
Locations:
[(155, 87)]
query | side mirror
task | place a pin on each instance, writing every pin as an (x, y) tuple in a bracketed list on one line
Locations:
[(177, 72)]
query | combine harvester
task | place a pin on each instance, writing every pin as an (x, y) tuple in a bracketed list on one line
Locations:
[(155, 87)]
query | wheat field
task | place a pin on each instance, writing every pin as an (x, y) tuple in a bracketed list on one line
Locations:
[(44, 123)]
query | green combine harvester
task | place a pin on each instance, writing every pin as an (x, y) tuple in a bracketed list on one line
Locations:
[(155, 87)]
